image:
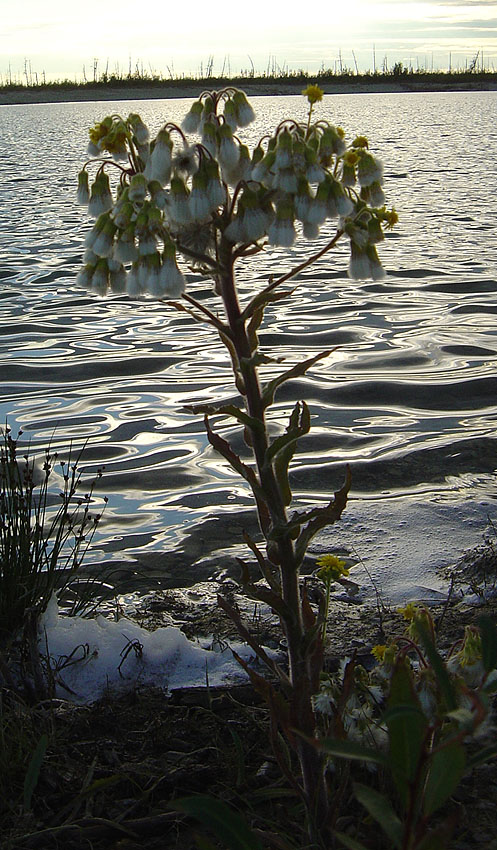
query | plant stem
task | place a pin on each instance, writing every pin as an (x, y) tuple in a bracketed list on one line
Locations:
[(282, 552)]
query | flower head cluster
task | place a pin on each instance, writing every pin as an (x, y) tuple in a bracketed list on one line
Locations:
[(173, 197), (332, 568)]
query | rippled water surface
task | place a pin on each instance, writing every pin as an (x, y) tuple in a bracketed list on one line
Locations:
[(408, 398)]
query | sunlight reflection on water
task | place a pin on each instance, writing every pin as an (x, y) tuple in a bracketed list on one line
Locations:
[(408, 398)]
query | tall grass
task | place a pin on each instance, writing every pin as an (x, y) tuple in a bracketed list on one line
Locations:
[(44, 534)]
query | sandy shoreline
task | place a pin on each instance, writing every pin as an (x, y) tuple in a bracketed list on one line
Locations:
[(167, 90)]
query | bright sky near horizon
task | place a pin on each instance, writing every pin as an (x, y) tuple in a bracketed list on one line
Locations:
[(61, 39)]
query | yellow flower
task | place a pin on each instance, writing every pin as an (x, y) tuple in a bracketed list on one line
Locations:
[(332, 568), (391, 217), (313, 93), (350, 158), (409, 612), (360, 142), (378, 651)]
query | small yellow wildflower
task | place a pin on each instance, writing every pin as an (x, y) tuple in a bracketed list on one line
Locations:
[(409, 612), (391, 217), (360, 142), (378, 651), (471, 650), (332, 568), (350, 158), (313, 93)]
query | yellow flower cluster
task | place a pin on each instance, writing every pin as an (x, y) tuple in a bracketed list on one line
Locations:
[(332, 568), (313, 93)]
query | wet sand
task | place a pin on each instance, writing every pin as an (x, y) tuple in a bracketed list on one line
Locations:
[(173, 90)]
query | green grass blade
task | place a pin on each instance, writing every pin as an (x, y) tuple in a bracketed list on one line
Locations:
[(349, 842), (488, 643), (33, 771), (482, 757)]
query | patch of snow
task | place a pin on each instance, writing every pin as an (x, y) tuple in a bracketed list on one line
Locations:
[(93, 655)]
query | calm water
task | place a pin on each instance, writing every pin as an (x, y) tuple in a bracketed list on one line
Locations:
[(409, 398)]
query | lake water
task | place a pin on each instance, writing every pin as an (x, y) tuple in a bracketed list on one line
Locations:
[(408, 399)]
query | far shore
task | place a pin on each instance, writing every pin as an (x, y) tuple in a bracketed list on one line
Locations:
[(167, 90)]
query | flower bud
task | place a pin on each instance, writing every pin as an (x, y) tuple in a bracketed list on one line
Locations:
[(191, 121), (281, 231), (230, 113), (229, 154), (101, 200), (138, 188), (100, 278), (104, 243), (139, 129), (125, 250), (159, 163), (369, 169), (83, 195), (284, 150), (244, 112)]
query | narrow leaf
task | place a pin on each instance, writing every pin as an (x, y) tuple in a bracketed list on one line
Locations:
[(223, 447), (380, 808), (33, 771), (227, 824), (351, 750), (439, 669), (446, 771), (488, 643), (321, 517), (295, 372), (349, 842), (483, 756), (406, 728)]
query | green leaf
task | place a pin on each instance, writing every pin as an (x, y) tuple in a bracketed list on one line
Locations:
[(446, 771), (488, 632), (227, 824), (407, 728), (349, 842), (439, 668), (33, 771), (351, 750), (380, 808)]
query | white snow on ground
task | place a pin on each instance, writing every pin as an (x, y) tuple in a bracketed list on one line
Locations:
[(92, 655), (403, 551)]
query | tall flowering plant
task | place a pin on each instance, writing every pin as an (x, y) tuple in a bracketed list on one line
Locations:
[(205, 204)]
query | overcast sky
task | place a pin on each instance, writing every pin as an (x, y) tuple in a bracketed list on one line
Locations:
[(60, 39)]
